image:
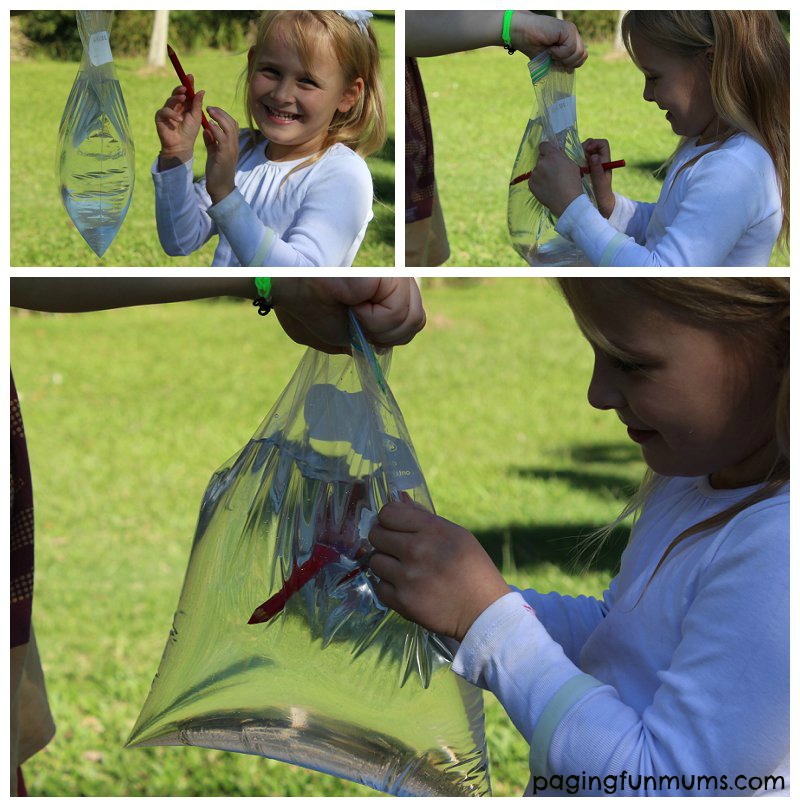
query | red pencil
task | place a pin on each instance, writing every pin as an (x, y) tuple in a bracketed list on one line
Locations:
[(584, 170), (605, 166), (184, 79), (321, 556)]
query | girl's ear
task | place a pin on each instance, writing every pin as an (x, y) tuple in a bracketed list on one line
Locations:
[(351, 95)]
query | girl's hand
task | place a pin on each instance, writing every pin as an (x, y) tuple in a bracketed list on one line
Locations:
[(177, 124), (432, 571), (598, 152), (555, 180), (223, 154), (533, 33)]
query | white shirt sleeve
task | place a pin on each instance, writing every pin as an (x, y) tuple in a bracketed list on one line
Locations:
[(332, 214), (569, 620), (722, 706), (717, 206), (181, 204), (631, 217)]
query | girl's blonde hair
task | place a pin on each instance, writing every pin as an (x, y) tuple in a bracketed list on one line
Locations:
[(749, 74), (750, 314), (363, 127)]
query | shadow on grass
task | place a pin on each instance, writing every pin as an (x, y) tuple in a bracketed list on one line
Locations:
[(606, 452), (386, 151), (610, 470), (608, 483), (382, 226), (609, 486), (384, 189), (650, 166), (514, 546), (383, 223)]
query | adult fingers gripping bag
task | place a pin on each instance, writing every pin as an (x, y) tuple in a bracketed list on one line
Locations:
[(279, 645), (554, 118), (95, 149)]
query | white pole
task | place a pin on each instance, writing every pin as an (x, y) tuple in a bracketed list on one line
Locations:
[(157, 57), (618, 43)]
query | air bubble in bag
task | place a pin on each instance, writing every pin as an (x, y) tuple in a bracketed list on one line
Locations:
[(95, 149), (531, 225), (279, 645)]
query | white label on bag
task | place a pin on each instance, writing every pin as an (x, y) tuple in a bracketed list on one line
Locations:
[(402, 467), (563, 114), (99, 48)]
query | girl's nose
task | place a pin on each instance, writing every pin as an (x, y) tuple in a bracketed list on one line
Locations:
[(282, 91), (648, 94), (603, 393)]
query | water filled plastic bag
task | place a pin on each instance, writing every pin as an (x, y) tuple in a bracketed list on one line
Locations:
[(531, 225), (95, 149), (279, 645)]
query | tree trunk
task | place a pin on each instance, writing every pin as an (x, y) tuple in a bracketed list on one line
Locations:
[(157, 56)]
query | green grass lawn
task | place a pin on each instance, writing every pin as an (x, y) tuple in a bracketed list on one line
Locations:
[(129, 412), (41, 231), (479, 105)]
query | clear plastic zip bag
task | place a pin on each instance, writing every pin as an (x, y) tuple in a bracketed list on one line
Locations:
[(95, 149), (279, 645), (531, 225)]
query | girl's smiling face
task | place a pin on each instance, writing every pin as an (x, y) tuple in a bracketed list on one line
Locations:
[(293, 106), (680, 85), (694, 403)]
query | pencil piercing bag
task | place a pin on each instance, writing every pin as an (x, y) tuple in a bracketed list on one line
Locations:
[(531, 225), (279, 645), (95, 155)]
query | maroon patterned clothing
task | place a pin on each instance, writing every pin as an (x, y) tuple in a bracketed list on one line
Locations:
[(31, 724), (419, 147), (21, 529)]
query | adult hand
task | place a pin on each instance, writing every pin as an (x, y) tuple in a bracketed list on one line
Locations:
[(556, 180), (223, 154), (598, 152), (313, 311), (177, 125), (532, 33), (432, 571)]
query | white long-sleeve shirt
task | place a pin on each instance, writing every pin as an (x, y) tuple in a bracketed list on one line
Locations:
[(318, 217), (724, 210), (689, 678)]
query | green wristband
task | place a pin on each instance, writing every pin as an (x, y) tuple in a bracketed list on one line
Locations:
[(507, 31), (264, 288)]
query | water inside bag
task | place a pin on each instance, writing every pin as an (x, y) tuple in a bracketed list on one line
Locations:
[(531, 225), (95, 148), (333, 681)]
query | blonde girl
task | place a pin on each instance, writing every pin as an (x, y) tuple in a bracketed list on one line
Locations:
[(293, 189), (722, 78), (676, 681)]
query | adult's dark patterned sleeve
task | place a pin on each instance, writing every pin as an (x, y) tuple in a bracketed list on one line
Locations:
[(21, 529)]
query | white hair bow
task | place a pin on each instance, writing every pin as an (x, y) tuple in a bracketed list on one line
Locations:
[(360, 18)]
